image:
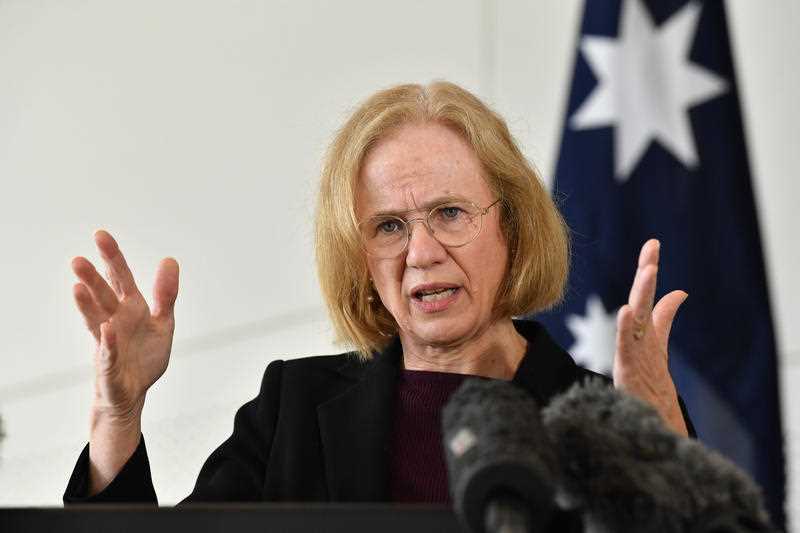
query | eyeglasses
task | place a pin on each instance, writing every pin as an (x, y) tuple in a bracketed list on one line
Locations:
[(453, 224)]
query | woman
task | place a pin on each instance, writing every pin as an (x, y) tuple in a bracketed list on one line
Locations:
[(432, 232)]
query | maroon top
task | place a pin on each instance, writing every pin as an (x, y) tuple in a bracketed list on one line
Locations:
[(417, 471)]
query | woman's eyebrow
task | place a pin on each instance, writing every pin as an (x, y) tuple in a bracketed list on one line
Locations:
[(427, 206)]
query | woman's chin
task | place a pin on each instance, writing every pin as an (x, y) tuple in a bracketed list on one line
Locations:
[(440, 331)]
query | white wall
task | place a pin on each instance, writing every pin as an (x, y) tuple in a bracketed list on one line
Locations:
[(195, 129)]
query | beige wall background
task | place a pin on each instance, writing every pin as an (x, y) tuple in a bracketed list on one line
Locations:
[(195, 129)]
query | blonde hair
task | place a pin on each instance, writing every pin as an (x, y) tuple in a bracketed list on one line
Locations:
[(535, 232)]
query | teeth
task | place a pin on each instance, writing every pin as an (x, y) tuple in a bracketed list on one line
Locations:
[(434, 296)]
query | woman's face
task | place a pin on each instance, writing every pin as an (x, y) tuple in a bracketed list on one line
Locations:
[(415, 168)]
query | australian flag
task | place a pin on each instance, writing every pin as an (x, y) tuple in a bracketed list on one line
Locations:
[(653, 146)]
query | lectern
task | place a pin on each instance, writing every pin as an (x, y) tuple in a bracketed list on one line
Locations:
[(233, 518)]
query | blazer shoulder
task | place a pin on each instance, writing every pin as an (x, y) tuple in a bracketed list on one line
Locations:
[(345, 363), (312, 379)]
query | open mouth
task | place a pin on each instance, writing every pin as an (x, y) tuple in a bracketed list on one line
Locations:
[(434, 295)]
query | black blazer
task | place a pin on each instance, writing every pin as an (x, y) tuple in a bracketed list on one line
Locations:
[(318, 430)]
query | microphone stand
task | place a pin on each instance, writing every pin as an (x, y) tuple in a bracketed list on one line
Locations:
[(507, 514)]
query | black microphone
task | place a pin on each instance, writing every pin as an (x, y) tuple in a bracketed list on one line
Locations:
[(501, 465), (628, 472)]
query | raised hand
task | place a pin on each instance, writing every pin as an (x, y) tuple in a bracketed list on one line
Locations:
[(132, 350), (641, 358)]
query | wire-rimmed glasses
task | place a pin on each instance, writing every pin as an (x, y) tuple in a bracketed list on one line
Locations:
[(454, 223)]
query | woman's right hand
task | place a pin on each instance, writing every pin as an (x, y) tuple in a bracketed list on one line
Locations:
[(132, 347)]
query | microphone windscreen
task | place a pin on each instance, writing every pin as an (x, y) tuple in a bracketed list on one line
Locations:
[(629, 472), (496, 447)]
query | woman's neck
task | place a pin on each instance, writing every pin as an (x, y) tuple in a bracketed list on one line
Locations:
[(494, 353)]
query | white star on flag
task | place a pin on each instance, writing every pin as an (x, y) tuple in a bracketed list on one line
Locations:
[(646, 86), (595, 336)]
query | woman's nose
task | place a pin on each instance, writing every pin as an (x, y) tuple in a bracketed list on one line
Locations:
[(423, 248)]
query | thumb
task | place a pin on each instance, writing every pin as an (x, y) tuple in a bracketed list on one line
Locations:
[(664, 313), (107, 352), (165, 289)]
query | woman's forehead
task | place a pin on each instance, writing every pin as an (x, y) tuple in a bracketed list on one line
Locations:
[(419, 165)]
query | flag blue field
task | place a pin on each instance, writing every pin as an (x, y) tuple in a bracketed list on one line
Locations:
[(653, 146)]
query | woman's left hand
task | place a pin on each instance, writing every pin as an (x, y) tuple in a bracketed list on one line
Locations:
[(640, 361)]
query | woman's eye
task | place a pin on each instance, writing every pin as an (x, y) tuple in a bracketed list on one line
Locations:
[(450, 212), (388, 226)]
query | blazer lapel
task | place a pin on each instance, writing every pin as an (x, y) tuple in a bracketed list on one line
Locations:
[(546, 370), (355, 428)]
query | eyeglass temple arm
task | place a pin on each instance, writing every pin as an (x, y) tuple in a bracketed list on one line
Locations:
[(486, 209)]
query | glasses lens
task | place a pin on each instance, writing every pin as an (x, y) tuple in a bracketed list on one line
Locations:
[(455, 223), (384, 236)]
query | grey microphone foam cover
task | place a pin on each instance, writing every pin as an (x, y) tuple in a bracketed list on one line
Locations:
[(495, 446), (629, 472)]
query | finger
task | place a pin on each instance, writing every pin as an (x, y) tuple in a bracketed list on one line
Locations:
[(93, 315), (101, 292), (165, 288), (119, 273), (627, 346), (643, 291), (626, 328), (664, 313), (643, 288), (650, 253)]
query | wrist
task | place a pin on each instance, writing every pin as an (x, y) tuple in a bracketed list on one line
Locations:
[(673, 416), (664, 399), (670, 411), (108, 425), (112, 441), (114, 427), (121, 417)]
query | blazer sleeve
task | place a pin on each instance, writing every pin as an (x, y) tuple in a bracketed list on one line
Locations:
[(685, 412), (234, 471), (132, 484)]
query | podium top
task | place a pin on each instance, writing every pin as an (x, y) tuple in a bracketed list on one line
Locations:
[(234, 518)]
